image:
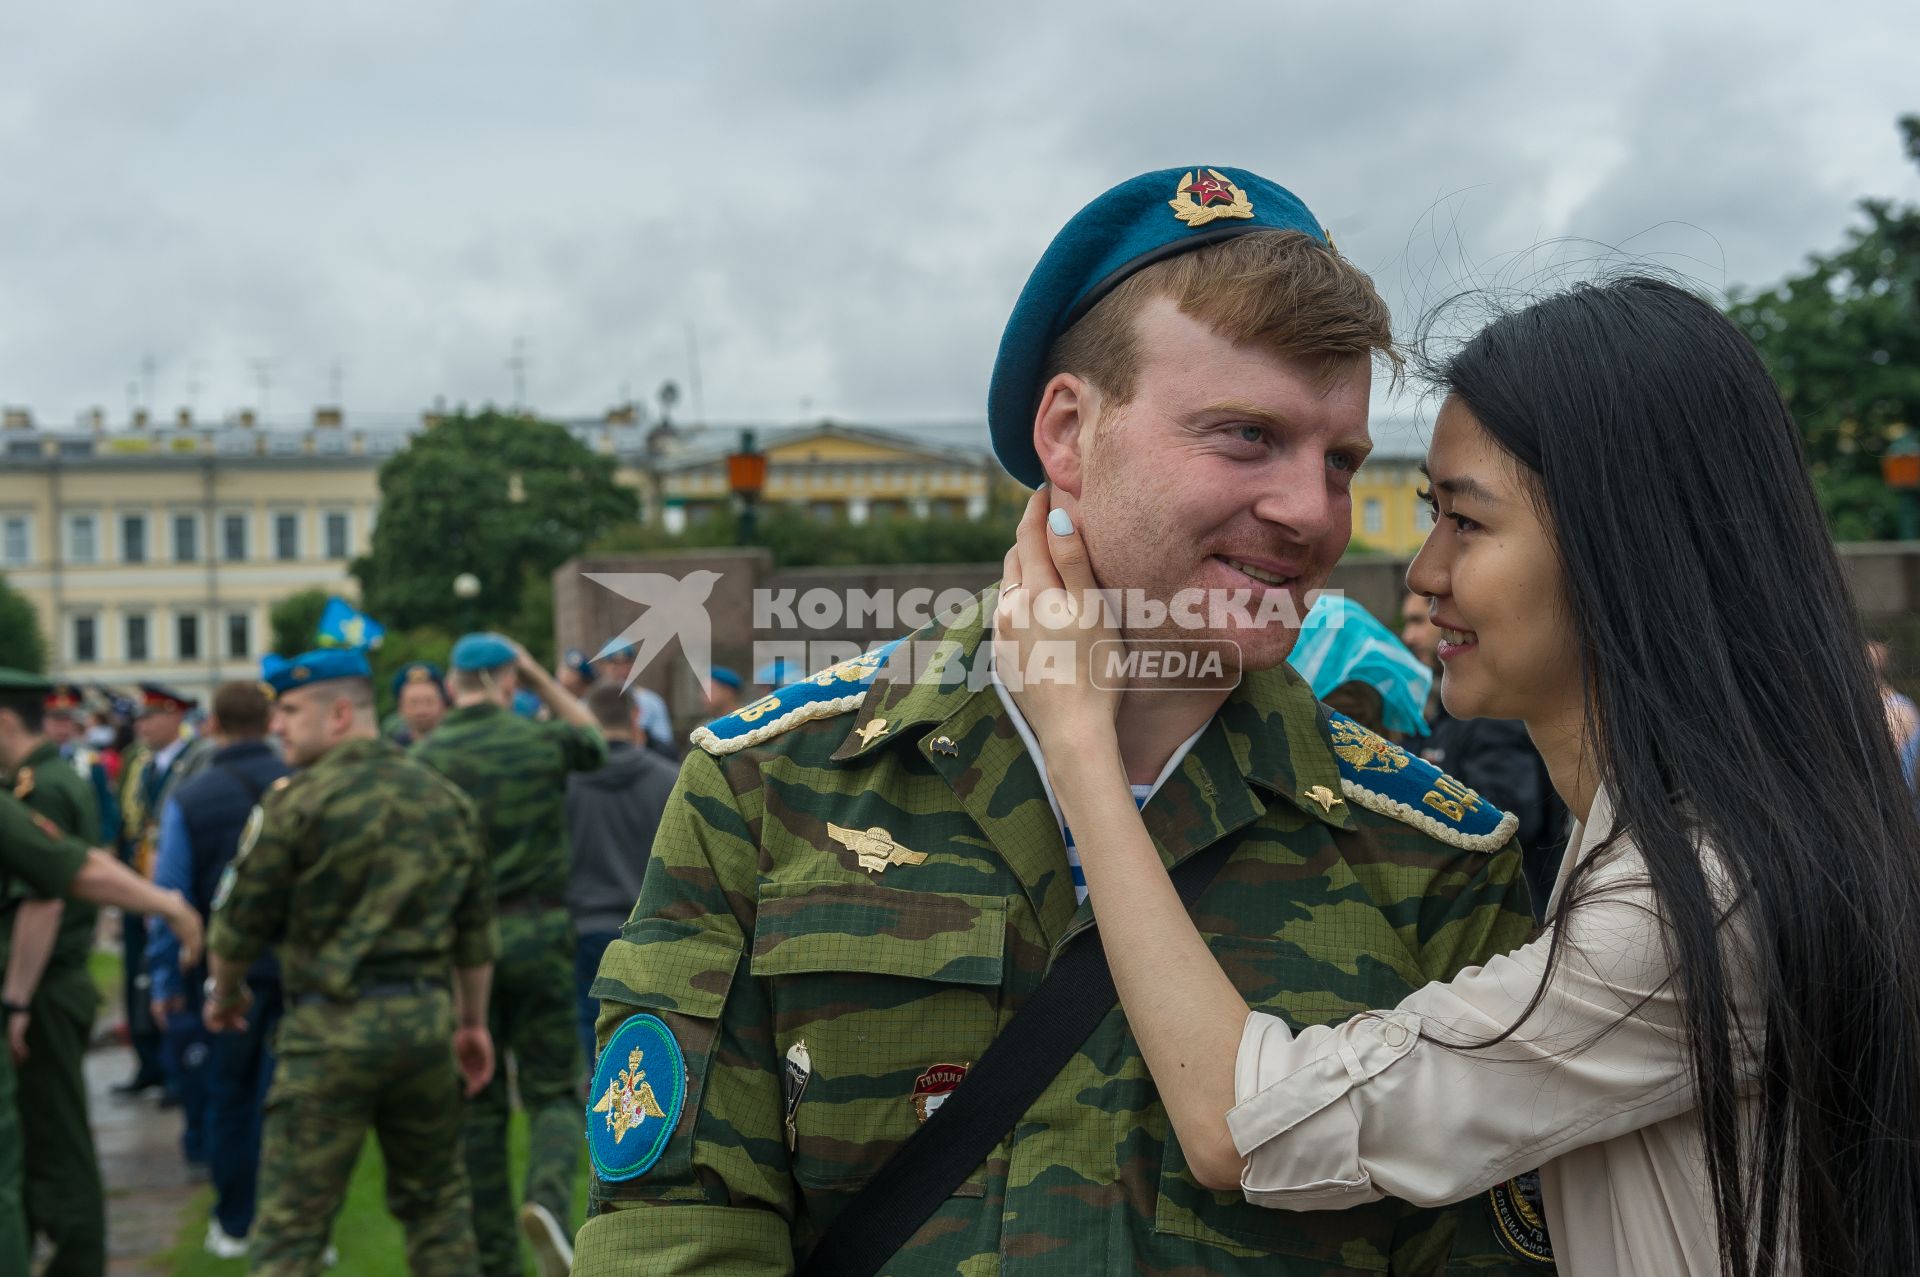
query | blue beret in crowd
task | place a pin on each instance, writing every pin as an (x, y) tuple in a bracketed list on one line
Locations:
[(721, 674), (482, 652), (320, 666), (1143, 220), (419, 672)]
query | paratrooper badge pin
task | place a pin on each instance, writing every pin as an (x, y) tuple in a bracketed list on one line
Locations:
[(630, 1104), (872, 730), (799, 1073), (874, 848), (944, 745), (23, 784), (931, 1089), (1208, 197)]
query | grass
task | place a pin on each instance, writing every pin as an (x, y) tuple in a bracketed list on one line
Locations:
[(370, 1242), (104, 967)]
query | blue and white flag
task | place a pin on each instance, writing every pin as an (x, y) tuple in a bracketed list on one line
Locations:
[(343, 625)]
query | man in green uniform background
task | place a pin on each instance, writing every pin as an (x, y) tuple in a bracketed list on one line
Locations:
[(393, 907), (515, 770), (855, 887), (50, 863), (63, 1197)]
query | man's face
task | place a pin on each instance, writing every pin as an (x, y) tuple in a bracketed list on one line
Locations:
[(303, 720), (61, 729), (420, 705), (1418, 631), (1229, 461), (722, 698), (158, 728), (14, 739)]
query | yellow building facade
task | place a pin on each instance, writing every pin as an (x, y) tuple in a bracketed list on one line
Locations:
[(837, 473), (1388, 514), (155, 552)]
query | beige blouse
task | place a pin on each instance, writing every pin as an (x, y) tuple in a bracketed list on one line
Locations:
[(1350, 1113)]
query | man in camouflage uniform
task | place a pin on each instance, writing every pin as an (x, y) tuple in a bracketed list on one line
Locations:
[(64, 1199), (857, 886), (34, 851), (365, 873), (515, 770)]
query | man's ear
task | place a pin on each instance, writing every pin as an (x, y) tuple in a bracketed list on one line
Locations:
[(1068, 408)]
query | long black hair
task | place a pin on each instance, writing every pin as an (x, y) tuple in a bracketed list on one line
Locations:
[(1730, 705)]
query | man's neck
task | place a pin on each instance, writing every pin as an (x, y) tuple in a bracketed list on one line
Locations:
[(468, 700), (1152, 724)]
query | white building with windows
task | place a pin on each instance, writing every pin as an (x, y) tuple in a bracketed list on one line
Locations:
[(155, 553)]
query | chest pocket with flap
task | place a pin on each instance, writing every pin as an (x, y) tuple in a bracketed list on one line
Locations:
[(884, 987)]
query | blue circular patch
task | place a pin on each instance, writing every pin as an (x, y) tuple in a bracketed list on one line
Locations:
[(635, 1100)]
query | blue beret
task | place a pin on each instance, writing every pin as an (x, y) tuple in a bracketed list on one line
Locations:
[(526, 704), (481, 652), (1143, 220), (577, 661), (778, 672), (418, 672), (319, 666), (721, 674)]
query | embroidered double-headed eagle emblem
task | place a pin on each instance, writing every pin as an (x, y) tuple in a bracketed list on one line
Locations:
[(1365, 750), (1207, 195), (629, 1099)]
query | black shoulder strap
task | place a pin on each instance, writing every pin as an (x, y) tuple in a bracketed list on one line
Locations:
[(1002, 1085)]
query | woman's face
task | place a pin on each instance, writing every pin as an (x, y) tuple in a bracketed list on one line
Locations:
[(1492, 577)]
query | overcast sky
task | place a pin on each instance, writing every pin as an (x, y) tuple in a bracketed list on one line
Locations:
[(840, 199)]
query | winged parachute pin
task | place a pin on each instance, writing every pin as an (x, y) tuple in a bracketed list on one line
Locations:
[(875, 848)]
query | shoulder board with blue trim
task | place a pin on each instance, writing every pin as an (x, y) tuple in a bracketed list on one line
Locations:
[(1382, 777), (834, 690)]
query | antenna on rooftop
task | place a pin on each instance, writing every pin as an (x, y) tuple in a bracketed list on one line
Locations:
[(517, 362), (263, 377)]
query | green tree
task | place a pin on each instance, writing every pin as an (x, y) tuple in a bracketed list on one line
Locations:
[(295, 620), (506, 498), (1843, 340), (22, 646)]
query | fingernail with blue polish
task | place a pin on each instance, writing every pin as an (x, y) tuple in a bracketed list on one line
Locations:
[(1061, 522)]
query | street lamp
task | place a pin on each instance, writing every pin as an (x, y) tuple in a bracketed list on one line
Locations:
[(1900, 470), (747, 478), (466, 588)]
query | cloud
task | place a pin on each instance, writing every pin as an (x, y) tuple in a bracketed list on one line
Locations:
[(838, 201)]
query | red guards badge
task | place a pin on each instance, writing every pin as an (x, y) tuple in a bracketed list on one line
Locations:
[(1208, 197), (931, 1089)]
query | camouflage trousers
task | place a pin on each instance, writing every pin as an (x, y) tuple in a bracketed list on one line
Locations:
[(384, 1064), (531, 1016)]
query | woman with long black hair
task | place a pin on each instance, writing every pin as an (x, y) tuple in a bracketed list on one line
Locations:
[(1712, 1050)]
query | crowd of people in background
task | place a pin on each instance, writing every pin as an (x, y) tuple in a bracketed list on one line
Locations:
[(174, 784)]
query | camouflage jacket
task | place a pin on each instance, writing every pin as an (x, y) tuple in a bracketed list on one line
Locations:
[(365, 867), (840, 917), (515, 770), (51, 785)]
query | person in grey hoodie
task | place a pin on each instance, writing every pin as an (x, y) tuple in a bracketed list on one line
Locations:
[(612, 814)]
